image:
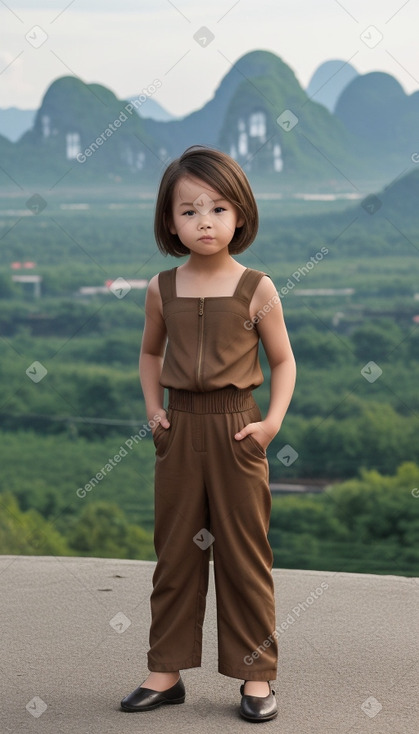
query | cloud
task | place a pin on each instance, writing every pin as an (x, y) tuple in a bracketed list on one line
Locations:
[(125, 45), (93, 6)]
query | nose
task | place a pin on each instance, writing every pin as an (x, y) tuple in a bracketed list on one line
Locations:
[(204, 224)]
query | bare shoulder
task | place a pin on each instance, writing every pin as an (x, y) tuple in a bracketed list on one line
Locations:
[(153, 285), (265, 290), (266, 285), (265, 297), (153, 297)]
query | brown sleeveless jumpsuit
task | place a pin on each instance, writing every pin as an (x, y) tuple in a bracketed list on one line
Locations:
[(212, 491)]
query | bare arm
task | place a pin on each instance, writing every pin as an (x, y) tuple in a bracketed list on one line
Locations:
[(152, 353), (276, 343)]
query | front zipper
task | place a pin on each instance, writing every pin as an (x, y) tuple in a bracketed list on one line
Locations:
[(200, 341)]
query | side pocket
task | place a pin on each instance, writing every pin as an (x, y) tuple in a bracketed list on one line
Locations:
[(157, 432), (249, 443), (256, 444), (162, 435)]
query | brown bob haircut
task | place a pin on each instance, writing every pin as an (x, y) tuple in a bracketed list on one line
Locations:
[(222, 173)]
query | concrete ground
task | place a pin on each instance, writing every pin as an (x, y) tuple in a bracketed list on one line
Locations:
[(74, 637)]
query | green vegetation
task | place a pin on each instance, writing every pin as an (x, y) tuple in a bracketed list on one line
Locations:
[(367, 524), (101, 530), (60, 433), (329, 150)]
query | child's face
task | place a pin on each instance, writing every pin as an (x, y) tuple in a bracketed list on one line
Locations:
[(204, 222)]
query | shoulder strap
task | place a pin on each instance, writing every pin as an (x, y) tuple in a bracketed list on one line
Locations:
[(248, 283), (167, 284)]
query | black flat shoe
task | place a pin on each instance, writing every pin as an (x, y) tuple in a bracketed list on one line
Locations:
[(258, 708), (145, 699)]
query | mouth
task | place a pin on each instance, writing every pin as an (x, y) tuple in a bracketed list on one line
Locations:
[(206, 239)]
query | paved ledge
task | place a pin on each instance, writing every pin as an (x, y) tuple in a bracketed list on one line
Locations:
[(75, 636)]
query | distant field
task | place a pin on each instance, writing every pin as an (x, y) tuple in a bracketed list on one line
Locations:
[(56, 434)]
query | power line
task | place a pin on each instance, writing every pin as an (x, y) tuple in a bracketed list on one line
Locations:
[(74, 419)]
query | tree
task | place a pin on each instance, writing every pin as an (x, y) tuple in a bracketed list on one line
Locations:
[(27, 533), (373, 341), (102, 530)]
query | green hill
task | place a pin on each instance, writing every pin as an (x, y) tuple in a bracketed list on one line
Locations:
[(83, 131), (271, 125), (375, 108), (329, 80), (259, 114), (204, 126)]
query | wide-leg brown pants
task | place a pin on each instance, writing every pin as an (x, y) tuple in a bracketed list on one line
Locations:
[(212, 491)]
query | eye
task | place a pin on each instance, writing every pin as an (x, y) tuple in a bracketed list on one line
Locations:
[(219, 209), (188, 213)]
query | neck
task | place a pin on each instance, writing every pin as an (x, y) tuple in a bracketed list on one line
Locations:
[(209, 263)]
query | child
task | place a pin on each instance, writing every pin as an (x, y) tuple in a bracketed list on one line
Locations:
[(211, 480)]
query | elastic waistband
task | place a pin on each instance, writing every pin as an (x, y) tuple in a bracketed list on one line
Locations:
[(224, 400)]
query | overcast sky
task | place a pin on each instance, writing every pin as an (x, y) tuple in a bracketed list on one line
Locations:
[(125, 44)]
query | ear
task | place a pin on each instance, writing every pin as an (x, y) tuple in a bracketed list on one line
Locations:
[(240, 222), (171, 226)]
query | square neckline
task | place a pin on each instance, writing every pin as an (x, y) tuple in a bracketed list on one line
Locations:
[(206, 297)]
